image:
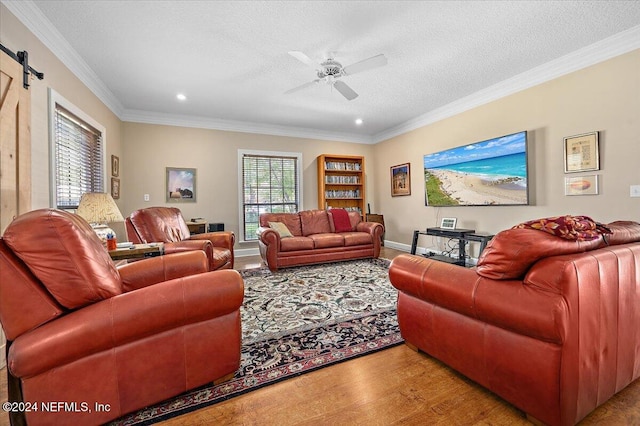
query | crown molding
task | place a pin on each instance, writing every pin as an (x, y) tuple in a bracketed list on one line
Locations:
[(600, 51), (138, 116), (33, 18)]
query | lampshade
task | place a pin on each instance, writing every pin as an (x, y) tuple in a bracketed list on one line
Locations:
[(98, 208)]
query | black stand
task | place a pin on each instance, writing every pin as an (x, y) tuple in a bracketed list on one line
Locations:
[(462, 235)]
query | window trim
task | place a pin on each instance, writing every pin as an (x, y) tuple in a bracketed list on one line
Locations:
[(241, 154), (57, 98)]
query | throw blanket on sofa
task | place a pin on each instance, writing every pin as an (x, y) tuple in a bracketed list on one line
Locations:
[(341, 221), (575, 228)]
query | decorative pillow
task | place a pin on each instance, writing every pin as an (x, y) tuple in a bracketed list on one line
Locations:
[(341, 222), (573, 228), (281, 229), (66, 255)]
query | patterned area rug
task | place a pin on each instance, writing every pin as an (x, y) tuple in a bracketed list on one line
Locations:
[(298, 320)]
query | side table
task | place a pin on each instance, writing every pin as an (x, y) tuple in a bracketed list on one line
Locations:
[(137, 251)]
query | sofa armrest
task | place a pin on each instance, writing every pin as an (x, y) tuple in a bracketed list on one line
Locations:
[(370, 228), (268, 236), (224, 239), (151, 271), (187, 245), (126, 318), (443, 284), (508, 304)]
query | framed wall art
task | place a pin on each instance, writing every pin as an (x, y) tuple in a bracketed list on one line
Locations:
[(401, 180), (581, 153), (115, 166), (581, 185), (115, 188), (181, 185)]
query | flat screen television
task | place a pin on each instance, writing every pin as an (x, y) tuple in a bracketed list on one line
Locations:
[(487, 173)]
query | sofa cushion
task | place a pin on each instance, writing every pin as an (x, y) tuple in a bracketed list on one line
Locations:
[(281, 229), (580, 228), (510, 254), (341, 221), (296, 243), (66, 255), (327, 240), (314, 222), (290, 220), (356, 238)]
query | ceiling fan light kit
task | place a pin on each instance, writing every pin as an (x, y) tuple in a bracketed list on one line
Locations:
[(330, 71)]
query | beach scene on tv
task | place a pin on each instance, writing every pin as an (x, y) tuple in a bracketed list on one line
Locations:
[(492, 172)]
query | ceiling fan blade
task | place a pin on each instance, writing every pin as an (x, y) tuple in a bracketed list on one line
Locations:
[(303, 86), (345, 90), (304, 59), (366, 64)]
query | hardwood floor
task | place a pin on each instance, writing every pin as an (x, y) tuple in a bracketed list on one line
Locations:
[(393, 386)]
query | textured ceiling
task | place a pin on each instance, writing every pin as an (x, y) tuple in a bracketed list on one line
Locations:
[(230, 57)]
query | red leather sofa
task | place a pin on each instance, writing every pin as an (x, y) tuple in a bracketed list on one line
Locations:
[(314, 239), (166, 225), (549, 325), (83, 332)]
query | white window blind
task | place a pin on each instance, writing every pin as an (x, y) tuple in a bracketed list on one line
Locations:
[(270, 183), (78, 158)]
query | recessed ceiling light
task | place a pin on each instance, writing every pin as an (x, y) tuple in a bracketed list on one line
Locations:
[(181, 97), (358, 121)]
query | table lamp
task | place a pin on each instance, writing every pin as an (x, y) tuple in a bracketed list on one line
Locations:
[(98, 208)]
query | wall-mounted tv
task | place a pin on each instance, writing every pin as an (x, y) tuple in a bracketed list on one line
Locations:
[(487, 173)]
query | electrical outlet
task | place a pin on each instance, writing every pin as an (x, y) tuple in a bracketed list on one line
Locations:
[(146, 197), (634, 191)]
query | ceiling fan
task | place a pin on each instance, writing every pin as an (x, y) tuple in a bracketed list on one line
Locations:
[(330, 71)]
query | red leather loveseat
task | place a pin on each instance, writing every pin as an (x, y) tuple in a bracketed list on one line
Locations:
[(548, 324), (314, 238)]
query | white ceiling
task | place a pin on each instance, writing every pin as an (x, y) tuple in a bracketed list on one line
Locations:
[(230, 57)]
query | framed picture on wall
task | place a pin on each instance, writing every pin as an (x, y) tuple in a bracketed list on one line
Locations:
[(181, 185), (115, 166), (581, 185), (401, 180), (581, 153), (115, 188)]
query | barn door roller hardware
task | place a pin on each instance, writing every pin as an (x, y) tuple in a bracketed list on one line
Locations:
[(22, 58)]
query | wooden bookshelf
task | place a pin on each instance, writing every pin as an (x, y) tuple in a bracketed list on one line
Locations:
[(341, 182)]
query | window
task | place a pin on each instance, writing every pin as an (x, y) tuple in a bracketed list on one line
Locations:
[(270, 182), (77, 153)]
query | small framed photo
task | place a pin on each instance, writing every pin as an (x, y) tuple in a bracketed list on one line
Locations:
[(448, 223), (115, 166), (181, 185), (581, 185), (115, 188), (581, 153), (401, 180)]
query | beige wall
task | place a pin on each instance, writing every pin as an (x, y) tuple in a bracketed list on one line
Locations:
[(150, 148), (15, 36), (604, 98)]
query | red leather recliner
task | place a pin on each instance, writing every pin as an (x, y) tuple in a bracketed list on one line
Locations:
[(166, 225), (107, 340)]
